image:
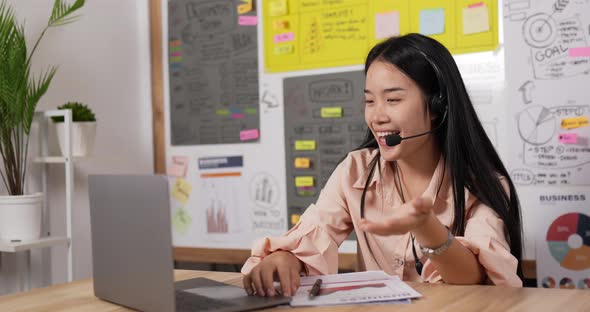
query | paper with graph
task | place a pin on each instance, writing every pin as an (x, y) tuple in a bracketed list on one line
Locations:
[(352, 288)]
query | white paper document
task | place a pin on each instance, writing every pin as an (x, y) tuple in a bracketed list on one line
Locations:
[(353, 288)]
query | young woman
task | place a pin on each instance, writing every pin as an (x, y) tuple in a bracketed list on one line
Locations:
[(426, 193)]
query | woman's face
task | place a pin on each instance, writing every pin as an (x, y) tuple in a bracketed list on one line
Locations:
[(395, 104)]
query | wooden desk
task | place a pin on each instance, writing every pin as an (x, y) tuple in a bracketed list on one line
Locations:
[(346, 261), (79, 296)]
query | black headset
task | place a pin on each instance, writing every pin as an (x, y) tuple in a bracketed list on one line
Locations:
[(438, 105)]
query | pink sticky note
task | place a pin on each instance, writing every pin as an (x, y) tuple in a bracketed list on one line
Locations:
[(178, 53), (178, 166), (248, 20), (475, 5), (386, 24), (568, 138), (237, 116), (251, 134), (286, 37), (582, 51)]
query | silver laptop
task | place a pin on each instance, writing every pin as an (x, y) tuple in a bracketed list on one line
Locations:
[(132, 252)]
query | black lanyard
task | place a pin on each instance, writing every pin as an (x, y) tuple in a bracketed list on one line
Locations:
[(376, 162)]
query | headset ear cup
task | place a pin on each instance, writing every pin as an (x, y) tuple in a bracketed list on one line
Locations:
[(437, 105)]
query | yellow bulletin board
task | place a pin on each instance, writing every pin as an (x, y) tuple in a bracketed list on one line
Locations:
[(309, 34)]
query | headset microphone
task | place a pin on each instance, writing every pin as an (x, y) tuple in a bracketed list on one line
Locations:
[(394, 139)]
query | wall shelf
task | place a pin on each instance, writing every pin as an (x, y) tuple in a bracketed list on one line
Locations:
[(28, 245)]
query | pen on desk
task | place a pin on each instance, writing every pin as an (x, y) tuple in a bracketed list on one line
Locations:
[(315, 290)]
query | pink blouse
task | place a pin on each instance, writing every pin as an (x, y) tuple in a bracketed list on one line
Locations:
[(328, 222)]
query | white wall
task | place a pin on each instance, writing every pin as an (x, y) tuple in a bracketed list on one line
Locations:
[(103, 61)]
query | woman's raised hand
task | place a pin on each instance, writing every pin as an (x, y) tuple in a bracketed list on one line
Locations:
[(408, 217)]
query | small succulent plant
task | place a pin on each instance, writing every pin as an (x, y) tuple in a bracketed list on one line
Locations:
[(80, 112)]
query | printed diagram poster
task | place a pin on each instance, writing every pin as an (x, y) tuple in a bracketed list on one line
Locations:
[(264, 196), (563, 242), (548, 70), (223, 214)]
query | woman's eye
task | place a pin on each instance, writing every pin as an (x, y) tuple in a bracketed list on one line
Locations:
[(368, 101), (393, 100)]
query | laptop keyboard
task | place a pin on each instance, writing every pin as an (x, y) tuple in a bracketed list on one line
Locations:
[(186, 301)]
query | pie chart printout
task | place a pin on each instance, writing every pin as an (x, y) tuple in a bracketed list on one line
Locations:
[(568, 238)]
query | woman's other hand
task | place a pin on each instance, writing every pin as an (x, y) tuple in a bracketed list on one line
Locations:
[(281, 266)]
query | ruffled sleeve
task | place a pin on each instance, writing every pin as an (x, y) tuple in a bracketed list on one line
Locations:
[(315, 238), (485, 235)]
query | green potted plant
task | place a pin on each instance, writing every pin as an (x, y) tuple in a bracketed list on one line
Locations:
[(20, 91), (83, 129)]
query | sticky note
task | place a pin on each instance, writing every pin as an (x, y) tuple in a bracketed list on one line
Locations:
[(178, 166), (304, 181), (576, 122), (386, 24), (305, 145), (182, 190), (286, 37), (245, 7), (475, 5), (247, 20), (581, 51), (476, 20), (278, 7), (222, 112), (251, 134), (295, 218), (177, 53), (568, 138), (331, 112), (280, 25), (250, 111), (175, 43), (284, 49), (432, 21), (302, 163), (306, 191), (237, 116), (181, 220), (176, 59)]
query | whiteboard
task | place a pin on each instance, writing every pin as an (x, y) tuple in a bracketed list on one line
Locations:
[(547, 76)]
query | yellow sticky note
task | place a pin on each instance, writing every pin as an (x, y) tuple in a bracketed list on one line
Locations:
[(476, 20), (305, 145), (245, 7), (295, 218), (304, 181), (280, 25), (284, 49), (181, 220), (331, 112), (182, 190), (278, 8), (222, 112), (302, 162), (576, 122)]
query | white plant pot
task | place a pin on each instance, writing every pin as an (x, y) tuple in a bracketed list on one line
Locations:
[(20, 217), (83, 134)]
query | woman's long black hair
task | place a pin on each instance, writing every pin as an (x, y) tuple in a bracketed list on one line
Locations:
[(465, 147)]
